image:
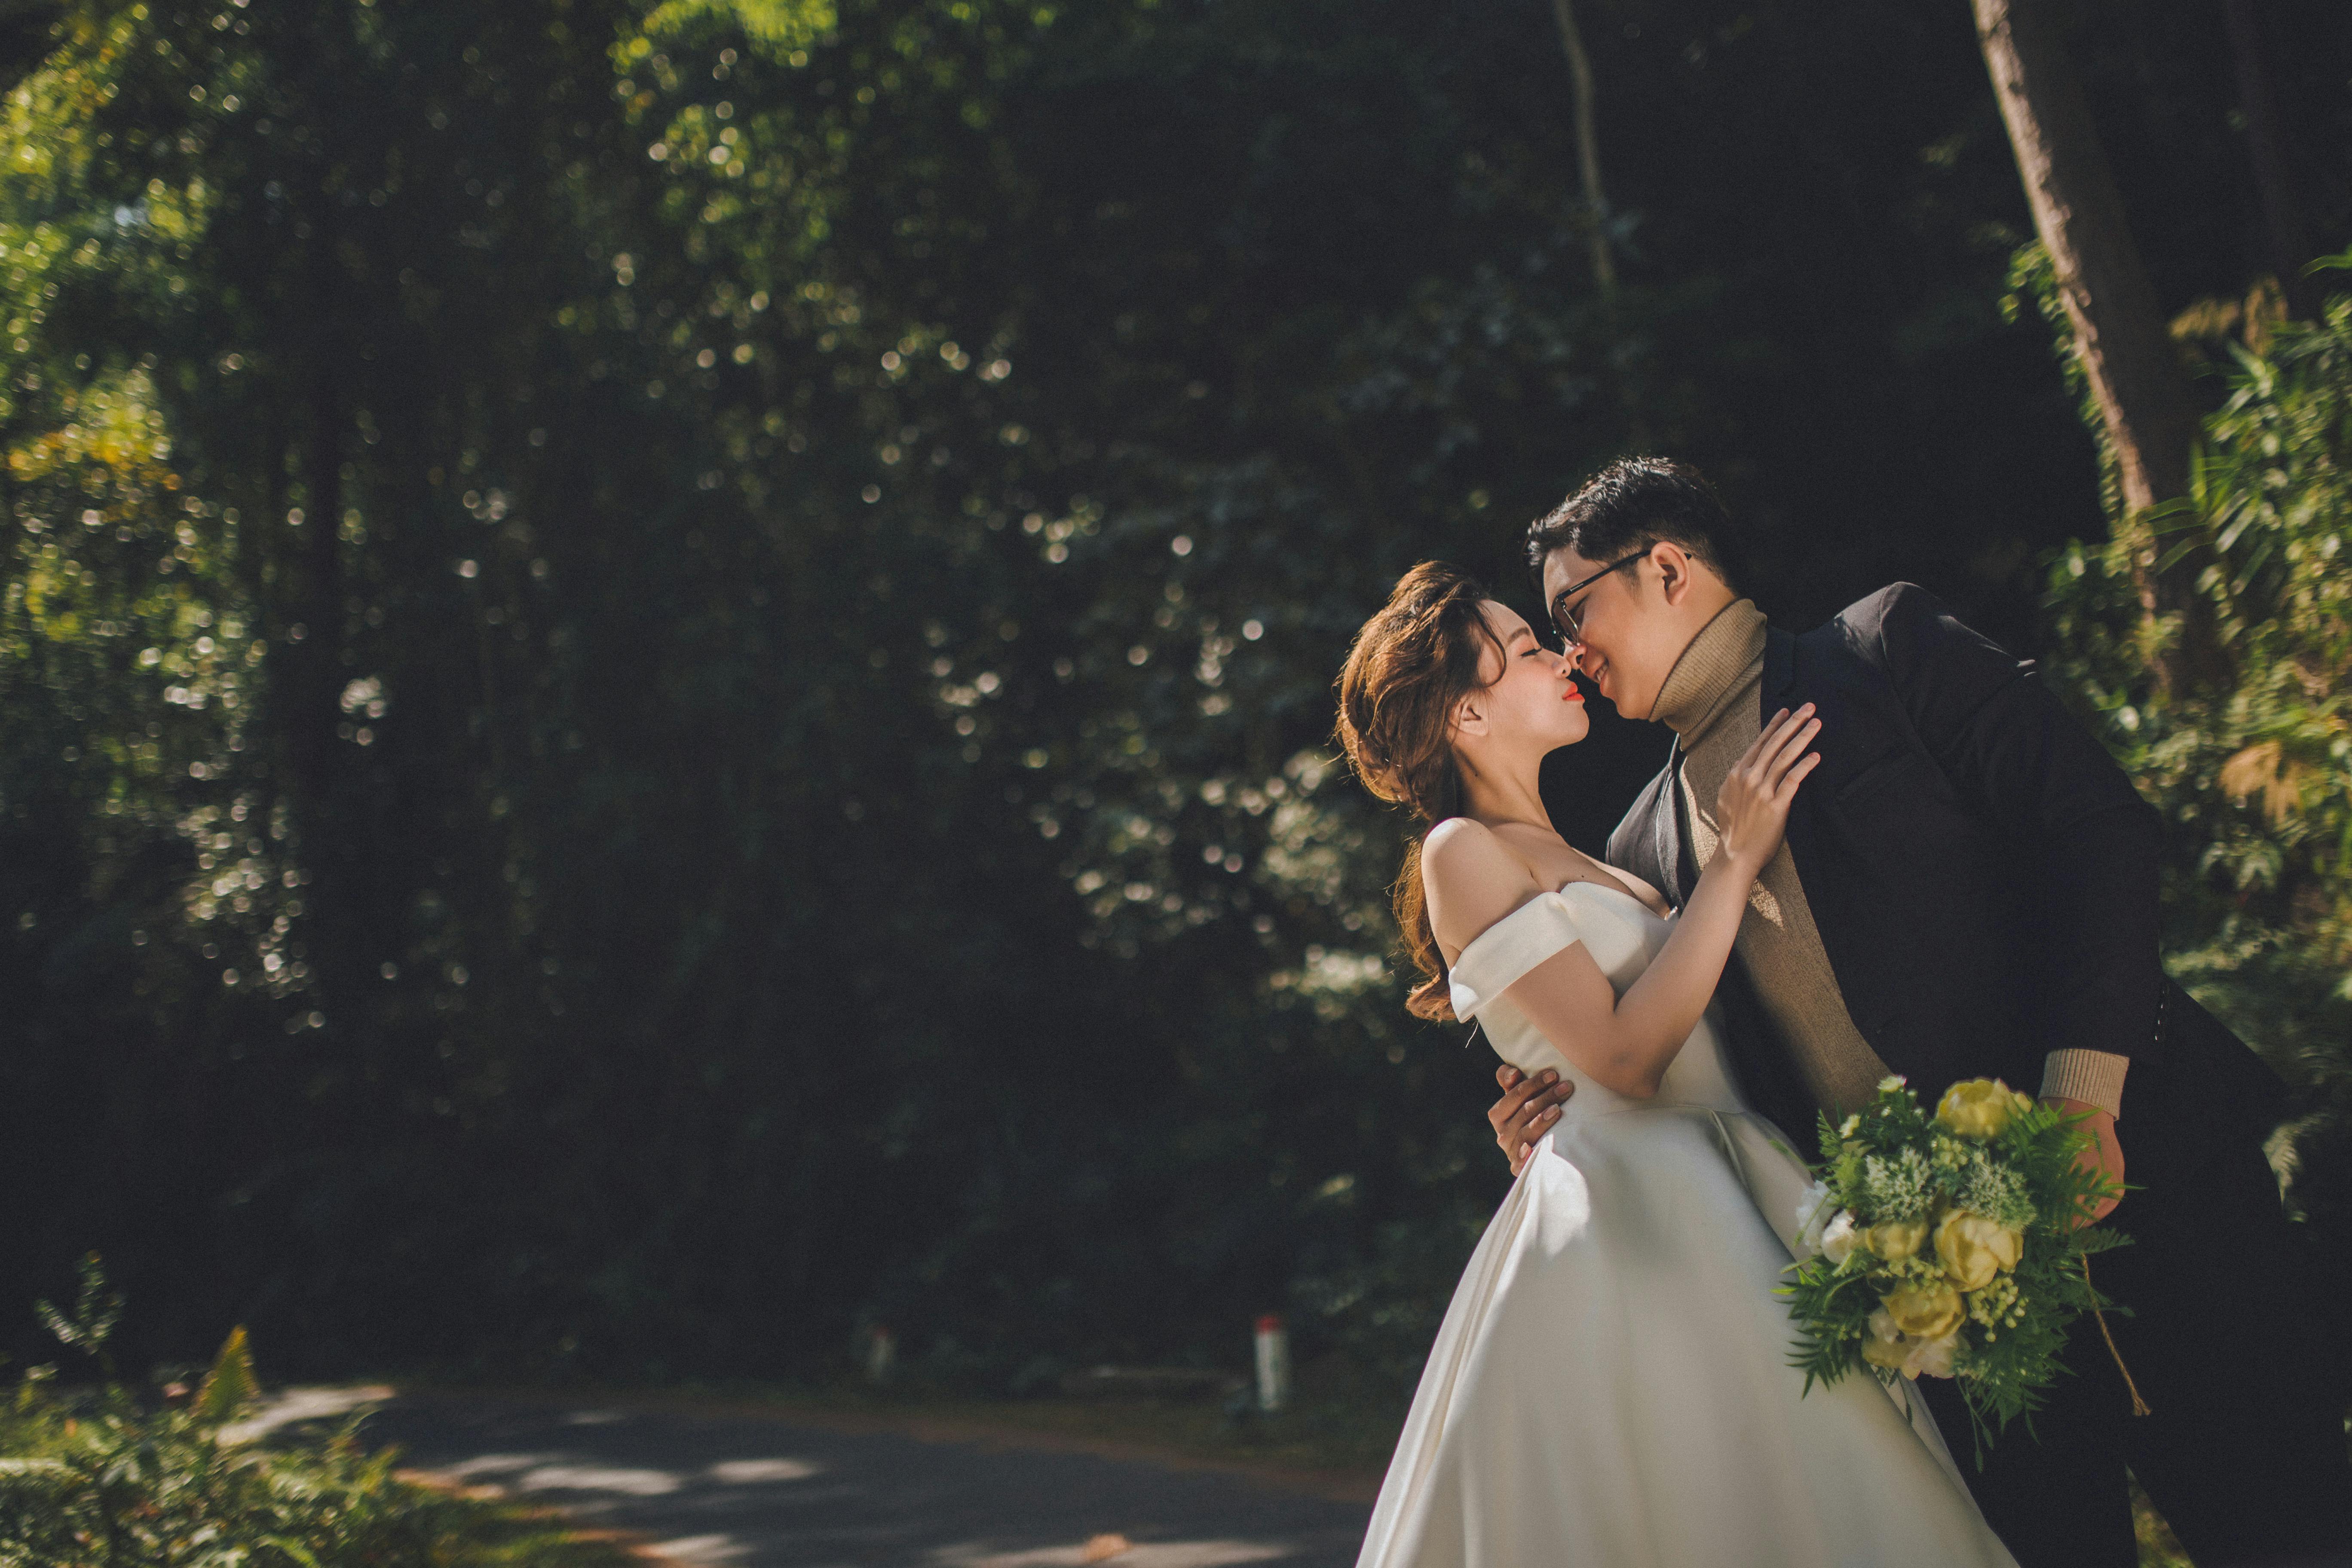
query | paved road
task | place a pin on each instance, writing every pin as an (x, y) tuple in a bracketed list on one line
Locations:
[(759, 1492)]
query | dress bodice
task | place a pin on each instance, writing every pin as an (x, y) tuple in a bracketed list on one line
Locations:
[(1623, 937)]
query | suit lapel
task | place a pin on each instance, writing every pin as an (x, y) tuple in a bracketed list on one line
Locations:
[(1768, 1074), (1776, 692), (1674, 855), (1780, 666)]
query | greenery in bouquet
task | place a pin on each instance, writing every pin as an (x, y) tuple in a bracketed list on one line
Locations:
[(1951, 1245)]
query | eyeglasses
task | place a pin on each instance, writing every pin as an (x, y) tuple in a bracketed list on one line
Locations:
[(1570, 622)]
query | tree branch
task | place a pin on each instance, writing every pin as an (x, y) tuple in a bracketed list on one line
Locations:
[(2120, 336), (1588, 147)]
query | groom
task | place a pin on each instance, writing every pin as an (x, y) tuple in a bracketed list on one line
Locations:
[(1969, 888)]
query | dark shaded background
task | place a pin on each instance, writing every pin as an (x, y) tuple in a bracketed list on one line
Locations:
[(767, 823)]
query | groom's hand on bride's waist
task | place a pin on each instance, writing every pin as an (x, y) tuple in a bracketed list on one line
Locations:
[(2106, 1156), (1527, 1111)]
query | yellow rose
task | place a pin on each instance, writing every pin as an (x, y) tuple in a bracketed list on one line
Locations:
[(1979, 1108), (1973, 1248), (1896, 1239), (1925, 1311)]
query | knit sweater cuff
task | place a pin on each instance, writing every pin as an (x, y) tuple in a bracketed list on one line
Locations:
[(2094, 1078)]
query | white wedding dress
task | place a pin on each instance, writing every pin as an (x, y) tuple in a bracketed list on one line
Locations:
[(1611, 1386)]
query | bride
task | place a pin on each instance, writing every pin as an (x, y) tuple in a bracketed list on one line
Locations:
[(1611, 1385)]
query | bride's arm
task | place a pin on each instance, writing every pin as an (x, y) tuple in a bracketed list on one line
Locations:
[(1626, 1043)]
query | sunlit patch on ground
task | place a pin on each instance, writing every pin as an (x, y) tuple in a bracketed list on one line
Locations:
[(700, 1550), (754, 1472), (293, 1406), (731, 1486), (1140, 1554)]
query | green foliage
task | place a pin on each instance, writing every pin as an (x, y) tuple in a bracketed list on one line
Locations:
[(2256, 779), (230, 1385), (105, 1482), (95, 1314), (103, 1479)]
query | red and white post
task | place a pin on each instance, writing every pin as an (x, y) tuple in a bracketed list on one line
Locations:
[(1273, 1363)]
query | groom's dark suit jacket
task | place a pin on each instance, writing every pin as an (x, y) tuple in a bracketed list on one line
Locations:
[(1983, 875)]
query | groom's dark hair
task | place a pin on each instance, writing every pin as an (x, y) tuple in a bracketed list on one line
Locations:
[(1629, 506)]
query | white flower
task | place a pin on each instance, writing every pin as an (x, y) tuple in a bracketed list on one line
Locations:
[(1891, 1348), (1932, 1358), (1838, 1239), (1812, 1214), (1902, 1188), (1850, 1126)]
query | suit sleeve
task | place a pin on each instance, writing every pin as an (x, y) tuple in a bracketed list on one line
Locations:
[(2087, 844)]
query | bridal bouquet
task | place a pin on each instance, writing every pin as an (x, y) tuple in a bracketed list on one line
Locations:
[(1947, 1245)]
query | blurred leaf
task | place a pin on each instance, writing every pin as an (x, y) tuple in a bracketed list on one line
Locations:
[(230, 1385)]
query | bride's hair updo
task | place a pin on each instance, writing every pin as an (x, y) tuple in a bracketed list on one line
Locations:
[(1410, 664)]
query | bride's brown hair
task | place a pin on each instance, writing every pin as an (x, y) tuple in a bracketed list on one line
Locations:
[(1410, 664)]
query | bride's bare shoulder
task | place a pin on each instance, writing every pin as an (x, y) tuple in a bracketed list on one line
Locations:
[(1471, 879), (1462, 848)]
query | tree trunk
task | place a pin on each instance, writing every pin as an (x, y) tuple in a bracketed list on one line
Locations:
[(2265, 148), (2120, 335), (1588, 146)]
